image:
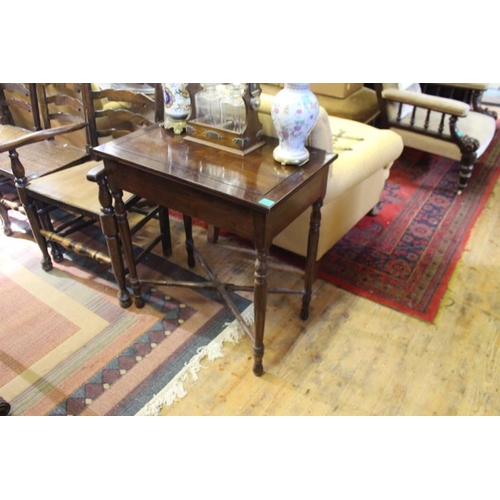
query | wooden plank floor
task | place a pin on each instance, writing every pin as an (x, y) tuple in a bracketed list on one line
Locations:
[(353, 356)]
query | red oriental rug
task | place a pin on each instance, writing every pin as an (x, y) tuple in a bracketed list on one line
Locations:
[(405, 256)]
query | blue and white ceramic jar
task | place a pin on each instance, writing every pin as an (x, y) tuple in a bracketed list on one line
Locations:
[(177, 106)]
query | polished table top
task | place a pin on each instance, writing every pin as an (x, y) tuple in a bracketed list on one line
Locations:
[(255, 180)]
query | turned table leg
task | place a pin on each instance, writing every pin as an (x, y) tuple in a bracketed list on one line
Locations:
[(312, 251), (260, 306)]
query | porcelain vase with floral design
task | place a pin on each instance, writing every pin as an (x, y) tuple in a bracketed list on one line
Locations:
[(294, 113), (177, 106)]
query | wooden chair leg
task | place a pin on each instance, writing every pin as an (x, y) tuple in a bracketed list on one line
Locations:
[(4, 215), (188, 229), (466, 168), (166, 241), (46, 224)]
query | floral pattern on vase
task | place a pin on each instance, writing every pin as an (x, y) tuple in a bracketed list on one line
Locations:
[(294, 113)]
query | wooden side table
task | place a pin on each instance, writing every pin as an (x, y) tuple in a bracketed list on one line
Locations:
[(251, 196)]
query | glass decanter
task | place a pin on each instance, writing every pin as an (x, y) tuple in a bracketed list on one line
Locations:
[(207, 103), (233, 108)]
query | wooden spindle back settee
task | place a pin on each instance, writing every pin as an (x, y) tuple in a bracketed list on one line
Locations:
[(456, 129)]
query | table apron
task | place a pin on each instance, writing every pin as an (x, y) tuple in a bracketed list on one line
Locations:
[(258, 224)]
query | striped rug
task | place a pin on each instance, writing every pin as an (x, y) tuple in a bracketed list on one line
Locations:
[(67, 348)]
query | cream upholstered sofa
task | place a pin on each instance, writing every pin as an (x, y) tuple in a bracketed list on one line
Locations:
[(356, 180)]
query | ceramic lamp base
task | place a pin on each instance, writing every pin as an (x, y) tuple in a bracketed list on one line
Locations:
[(178, 126), (281, 155)]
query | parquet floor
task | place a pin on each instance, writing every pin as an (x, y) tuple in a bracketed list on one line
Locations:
[(355, 357)]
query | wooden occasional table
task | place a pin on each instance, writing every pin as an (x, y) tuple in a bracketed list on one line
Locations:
[(252, 196)]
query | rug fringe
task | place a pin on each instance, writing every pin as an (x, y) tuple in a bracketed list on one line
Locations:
[(175, 389)]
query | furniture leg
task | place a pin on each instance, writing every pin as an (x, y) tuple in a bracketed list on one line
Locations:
[(30, 209), (110, 229), (166, 240), (120, 213), (188, 229), (312, 250), (466, 168), (375, 210), (4, 215), (46, 223), (260, 305), (4, 407), (212, 233)]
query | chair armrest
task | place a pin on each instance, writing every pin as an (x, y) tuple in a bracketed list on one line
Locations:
[(96, 173), (470, 86), (39, 136), (434, 103), (472, 94)]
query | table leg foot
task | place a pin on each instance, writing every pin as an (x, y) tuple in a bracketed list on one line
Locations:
[(258, 369), (304, 313), (306, 301), (139, 302), (258, 355)]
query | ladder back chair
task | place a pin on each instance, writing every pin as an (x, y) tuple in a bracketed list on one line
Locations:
[(60, 205), (20, 118)]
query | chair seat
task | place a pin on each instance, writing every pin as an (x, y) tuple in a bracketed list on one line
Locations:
[(72, 186), (40, 158), (478, 125)]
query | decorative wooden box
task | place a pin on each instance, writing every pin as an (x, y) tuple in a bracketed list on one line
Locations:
[(222, 138)]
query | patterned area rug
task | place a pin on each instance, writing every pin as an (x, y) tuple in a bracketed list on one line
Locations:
[(404, 257), (67, 348)]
